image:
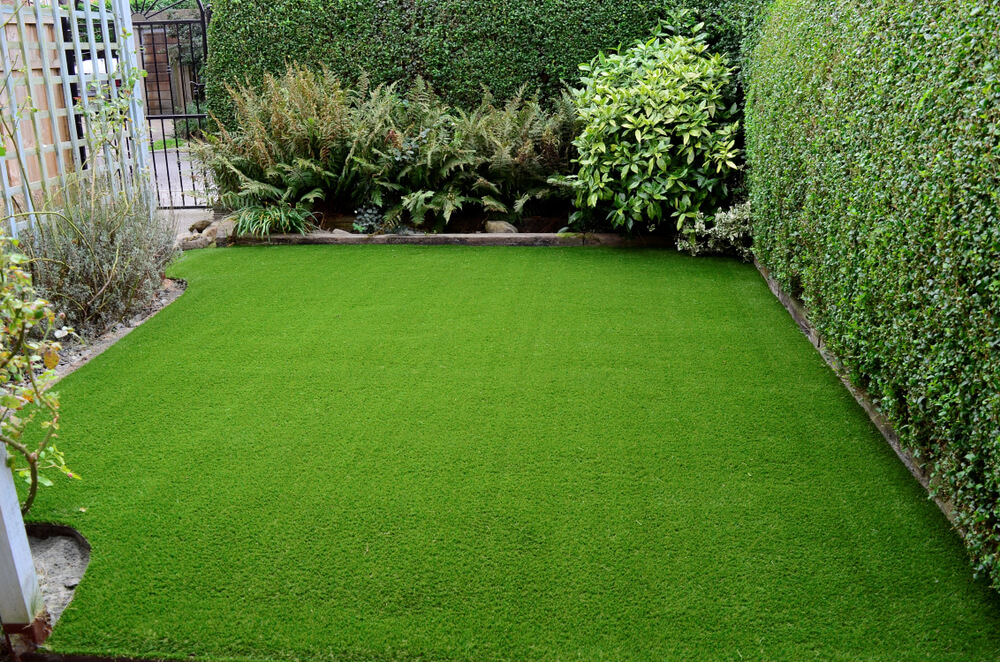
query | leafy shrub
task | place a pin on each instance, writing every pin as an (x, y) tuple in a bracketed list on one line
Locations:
[(99, 251), (658, 130), (875, 184), (303, 139), (101, 259), (729, 232), (369, 220), (458, 46), (29, 351)]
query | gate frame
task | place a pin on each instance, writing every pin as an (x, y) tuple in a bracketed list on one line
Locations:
[(189, 199)]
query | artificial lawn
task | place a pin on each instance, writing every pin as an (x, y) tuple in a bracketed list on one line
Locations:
[(449, 453)]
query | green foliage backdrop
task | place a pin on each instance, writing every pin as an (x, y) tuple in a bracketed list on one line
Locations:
[(874, 146), (457, 45)]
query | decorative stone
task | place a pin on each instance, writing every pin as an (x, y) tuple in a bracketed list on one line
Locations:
[(342, 232), (225, 227), (199, 226), (192, 243), (500, 227)]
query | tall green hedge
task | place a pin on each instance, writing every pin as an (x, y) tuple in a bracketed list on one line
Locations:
[(459, 46), (873, 135)]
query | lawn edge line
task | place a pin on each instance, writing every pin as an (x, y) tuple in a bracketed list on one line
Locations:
[(70, 657), (800, 314), (548, 239), (103, 343)]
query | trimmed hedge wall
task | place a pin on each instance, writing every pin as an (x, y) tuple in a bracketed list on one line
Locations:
[(873, 136), (457, 45)]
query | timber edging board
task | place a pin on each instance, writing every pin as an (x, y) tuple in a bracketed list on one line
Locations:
[(479, 239)]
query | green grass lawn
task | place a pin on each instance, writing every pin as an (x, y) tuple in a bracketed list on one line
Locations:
[(447, 453), (168, 143)]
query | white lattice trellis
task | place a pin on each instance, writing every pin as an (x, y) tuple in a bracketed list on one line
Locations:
[(52, 53)]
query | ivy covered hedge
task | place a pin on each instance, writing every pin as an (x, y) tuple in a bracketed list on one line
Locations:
[(458, 46), (873, 138)]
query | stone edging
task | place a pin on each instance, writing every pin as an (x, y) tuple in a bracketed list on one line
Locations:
[(799, 313), (480, 239), (95, 349)]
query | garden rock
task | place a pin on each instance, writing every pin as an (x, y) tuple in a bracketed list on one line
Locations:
[(224, 230), (342, 232), (500, 227), (192, 242), (200, 225)]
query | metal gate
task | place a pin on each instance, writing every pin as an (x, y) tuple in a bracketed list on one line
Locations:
[(173, 53)]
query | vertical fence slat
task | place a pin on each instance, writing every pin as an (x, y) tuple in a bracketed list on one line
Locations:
[(112, 39), (30, 80), (15, 124), (74, 29), (5, 175), (8, 194), (50, 94), (21, 599), (66, 85), (88, 17), (129, 57)]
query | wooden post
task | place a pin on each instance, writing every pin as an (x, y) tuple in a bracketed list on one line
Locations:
[(22, 608)]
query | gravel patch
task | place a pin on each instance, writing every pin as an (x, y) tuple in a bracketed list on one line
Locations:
[(60, 561)]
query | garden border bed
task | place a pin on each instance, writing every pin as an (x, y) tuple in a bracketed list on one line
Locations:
[(800, 314), (479, 239), (78, 355)]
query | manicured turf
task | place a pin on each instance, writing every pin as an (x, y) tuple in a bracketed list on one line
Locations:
[(403, 453)]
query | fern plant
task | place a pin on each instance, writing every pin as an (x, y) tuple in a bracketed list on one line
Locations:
[(295, 133), (302, 139), (422, 168), (523, 145)]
